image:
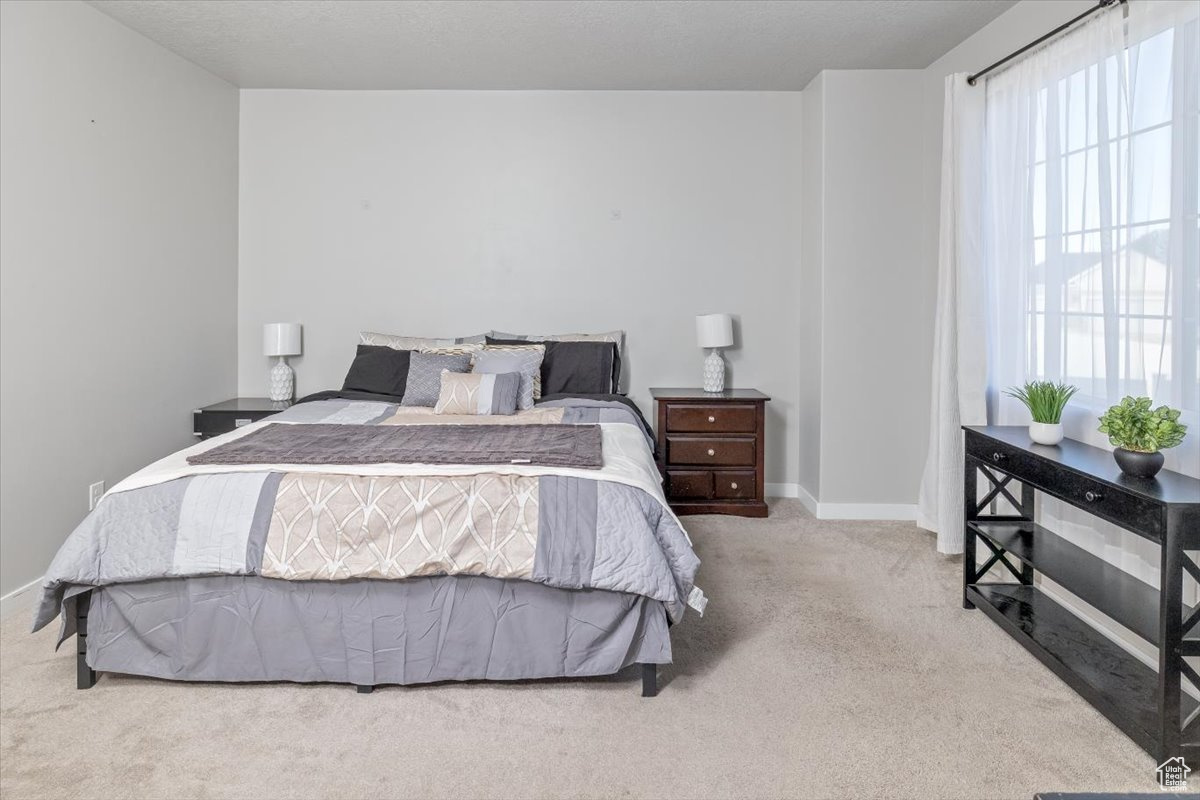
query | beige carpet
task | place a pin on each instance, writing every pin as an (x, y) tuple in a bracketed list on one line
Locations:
[(834, 661)]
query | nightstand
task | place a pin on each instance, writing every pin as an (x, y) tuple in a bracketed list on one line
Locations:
[(711, 449), (223, 417)]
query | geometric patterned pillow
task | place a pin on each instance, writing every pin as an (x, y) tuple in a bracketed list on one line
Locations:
[(425, 376), (478, 393), (610, 336), (617, 337), (414, 342), (468, 348), (525, 359)]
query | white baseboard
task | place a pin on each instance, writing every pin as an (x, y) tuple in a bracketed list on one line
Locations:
[(19, 599), (880, 511), (809, 501)]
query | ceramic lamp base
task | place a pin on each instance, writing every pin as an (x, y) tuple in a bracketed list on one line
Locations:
[(714, 372), (282, 381)]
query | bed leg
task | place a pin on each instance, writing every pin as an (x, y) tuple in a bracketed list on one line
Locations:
[(85, 676), (649, 680), (365, 689)]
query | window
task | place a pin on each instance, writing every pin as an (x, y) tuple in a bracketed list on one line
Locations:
[(1112, 290)]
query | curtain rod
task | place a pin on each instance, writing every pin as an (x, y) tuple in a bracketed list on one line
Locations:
[(1100, 6)]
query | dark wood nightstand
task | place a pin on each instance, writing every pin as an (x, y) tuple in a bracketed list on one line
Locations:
[(711, 449), (223, 417)]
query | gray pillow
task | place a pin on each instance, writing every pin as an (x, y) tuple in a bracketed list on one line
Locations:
[(425, 376), (527, 360)]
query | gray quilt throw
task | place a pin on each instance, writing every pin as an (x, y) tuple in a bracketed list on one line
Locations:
[(576, 446)]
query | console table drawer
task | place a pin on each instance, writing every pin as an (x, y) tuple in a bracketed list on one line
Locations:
[(1080, 490), (722, 452), (715, 419)]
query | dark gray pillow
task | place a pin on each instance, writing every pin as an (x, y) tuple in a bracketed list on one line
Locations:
[(425, 376), (379, 370), (577, 367)]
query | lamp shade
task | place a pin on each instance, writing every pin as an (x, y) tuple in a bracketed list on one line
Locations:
[(281, 339), (714, 330)]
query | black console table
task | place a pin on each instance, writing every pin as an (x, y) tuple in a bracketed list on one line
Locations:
[(1149, 706)]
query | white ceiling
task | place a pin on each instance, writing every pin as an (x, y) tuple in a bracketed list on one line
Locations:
[(523, 44)]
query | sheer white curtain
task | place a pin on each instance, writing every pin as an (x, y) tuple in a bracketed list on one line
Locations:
[(1090, 227), (959, 348), (1091, 234), (1089, 258)]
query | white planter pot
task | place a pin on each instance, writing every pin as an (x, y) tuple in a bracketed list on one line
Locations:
[(1046, 432)]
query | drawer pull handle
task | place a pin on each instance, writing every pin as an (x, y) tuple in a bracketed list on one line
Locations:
[(997, 457), (712, 419), (733, 485), (1092, 496), (712, 452)]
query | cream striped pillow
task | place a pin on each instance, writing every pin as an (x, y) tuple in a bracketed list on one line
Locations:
[(478, 393)]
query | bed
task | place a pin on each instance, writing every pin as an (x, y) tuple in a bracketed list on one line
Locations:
[(312, 567)]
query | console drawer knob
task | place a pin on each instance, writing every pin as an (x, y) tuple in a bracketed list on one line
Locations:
[(712, 419), (733, 485), (1092, 496), (712, 452), (997, 457)]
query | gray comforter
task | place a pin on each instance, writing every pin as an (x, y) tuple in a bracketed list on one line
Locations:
[(547, 525)]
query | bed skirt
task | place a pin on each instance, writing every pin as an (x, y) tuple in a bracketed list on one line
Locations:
[(369, 632)]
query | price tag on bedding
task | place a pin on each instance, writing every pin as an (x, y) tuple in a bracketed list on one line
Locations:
[(697, 600)]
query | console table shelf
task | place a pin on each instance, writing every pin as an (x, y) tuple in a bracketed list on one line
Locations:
[(1149, 705), (1131, 602), (1118, 685)]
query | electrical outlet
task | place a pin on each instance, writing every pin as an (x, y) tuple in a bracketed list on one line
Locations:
[(95, 492)]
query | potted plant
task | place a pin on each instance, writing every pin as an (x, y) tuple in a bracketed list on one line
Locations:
[(1045, 401), (1139, 433)]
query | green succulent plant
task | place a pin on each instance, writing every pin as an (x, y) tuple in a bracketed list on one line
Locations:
[(1044, 399), (1133, 425)]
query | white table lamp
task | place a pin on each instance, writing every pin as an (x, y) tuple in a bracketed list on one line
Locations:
[(714, 331), (282, 339)]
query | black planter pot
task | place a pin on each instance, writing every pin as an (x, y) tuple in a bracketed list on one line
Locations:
[(1139, 465)]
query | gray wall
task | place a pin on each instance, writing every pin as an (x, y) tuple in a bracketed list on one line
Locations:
[(812, 193), (868, 286), (863, 202), (446, 213), (118, 263), (878, 328)]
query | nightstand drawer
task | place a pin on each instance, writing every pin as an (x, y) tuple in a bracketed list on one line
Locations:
[(735, 485), (722, 452), (692, 484), (715, 419)]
